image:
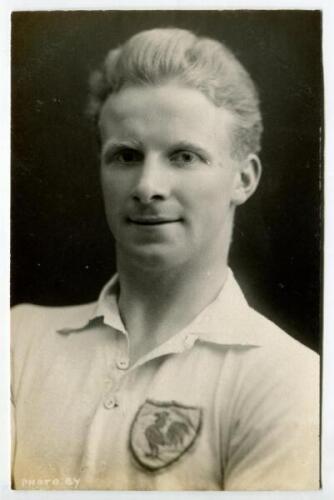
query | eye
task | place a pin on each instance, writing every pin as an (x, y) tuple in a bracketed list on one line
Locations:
[(123, 156), (185, 158)]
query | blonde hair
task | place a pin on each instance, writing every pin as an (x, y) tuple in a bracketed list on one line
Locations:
[(156, 56)]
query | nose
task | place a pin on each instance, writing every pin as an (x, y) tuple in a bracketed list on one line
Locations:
[(151, 182)]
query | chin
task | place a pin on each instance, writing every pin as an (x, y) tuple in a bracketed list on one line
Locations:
[(151, 257)]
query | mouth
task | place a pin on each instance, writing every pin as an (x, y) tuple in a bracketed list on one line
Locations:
[(151, 220)]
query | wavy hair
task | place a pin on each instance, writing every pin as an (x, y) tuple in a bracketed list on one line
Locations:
[(159, 55)]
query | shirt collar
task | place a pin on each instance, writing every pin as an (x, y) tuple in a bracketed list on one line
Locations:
[(224, 321)]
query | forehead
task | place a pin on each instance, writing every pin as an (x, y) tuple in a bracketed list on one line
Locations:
[(169, 112)]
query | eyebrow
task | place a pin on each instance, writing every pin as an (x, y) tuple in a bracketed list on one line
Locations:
[(113, 144)]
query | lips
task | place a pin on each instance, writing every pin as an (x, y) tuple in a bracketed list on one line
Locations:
[(151, 220)]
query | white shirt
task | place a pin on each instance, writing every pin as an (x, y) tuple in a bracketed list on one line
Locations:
[(230, 402)]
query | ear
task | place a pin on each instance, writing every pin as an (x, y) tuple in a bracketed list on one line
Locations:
[(247, 179)]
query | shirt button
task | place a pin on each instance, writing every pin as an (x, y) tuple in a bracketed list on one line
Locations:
[(110, 401), (122, 364)]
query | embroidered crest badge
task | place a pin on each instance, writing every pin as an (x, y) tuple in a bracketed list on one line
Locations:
[(162, 432)]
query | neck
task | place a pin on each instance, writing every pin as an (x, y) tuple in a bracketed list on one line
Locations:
[(155, 304)]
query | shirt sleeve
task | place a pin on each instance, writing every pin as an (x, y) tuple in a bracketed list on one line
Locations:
[(13, 433), (20, 342), (15, 320), (274, 440), (18, 345)]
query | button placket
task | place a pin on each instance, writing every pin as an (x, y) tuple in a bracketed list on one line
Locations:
[(117, 365), (110, 398), (122, 359), (112, 387)]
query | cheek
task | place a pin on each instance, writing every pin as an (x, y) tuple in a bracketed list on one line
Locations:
[(112, 187), (111, 201), (207, 191)]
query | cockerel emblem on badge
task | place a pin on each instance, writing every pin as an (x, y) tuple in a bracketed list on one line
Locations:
[(162, 432)]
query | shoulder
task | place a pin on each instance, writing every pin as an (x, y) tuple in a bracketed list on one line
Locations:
[(33, 339), (277, 344), (251, 328), (28, 312), (268, 363), (31, 312), (266, 346), (280, 369), (275, 410), (29, 321)]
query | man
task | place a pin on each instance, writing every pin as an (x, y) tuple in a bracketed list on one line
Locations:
[(170, 381)]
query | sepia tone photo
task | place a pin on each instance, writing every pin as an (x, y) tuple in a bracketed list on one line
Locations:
[(166, 277)]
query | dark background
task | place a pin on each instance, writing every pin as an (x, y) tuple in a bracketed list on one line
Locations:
[(62, 252)]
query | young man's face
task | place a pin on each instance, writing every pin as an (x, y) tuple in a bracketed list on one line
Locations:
[(169, 182)]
